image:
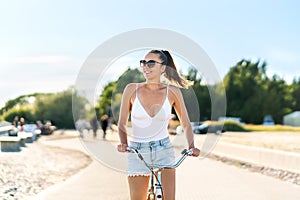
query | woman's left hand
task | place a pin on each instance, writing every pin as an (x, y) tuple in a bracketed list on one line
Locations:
[(196, 152)]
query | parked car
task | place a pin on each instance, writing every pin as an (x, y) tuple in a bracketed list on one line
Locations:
[(13, 131), (268, 120), (7, 129), (47, 128), (198, 128), (203, 128)]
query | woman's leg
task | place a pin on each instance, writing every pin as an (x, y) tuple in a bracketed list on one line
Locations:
[(138, 187), (168, 183)]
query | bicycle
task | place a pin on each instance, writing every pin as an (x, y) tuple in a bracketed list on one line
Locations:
[(156, 193)]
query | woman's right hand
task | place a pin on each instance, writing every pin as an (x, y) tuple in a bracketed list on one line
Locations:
[(122, 148)]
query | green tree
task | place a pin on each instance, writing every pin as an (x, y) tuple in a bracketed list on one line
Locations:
[(105, 98), (251, 94), (278, 99), (110, 98), (20, 101), (23, 111), (295, 91), (41, 106), (58, 108), (243, 85), (202, 110), (129, 76)]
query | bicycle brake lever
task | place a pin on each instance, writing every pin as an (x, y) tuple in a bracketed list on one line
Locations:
[(190, 152), (131, 149)]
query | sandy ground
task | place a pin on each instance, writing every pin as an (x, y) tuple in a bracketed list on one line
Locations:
[(36, 167)]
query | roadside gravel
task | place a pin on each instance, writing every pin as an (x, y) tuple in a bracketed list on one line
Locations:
[(284, 175)]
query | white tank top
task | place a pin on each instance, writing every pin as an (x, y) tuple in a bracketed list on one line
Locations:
[(146, 128)]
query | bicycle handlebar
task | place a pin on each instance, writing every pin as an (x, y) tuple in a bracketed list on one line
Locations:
[(184, 153)]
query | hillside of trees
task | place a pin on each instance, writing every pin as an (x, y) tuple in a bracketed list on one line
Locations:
[(56, 107)]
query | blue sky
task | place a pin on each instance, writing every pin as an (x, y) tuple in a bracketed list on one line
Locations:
[(43, 44)]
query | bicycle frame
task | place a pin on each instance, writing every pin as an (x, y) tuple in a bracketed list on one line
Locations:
[(157, 192)]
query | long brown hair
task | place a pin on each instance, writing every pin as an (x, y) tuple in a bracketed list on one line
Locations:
[(171, 72)]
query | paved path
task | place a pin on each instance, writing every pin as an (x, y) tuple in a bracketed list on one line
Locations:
[(196, 179)]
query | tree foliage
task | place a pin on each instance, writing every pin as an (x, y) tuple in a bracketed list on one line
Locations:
[(56, 108), (201, 110), (251, 94), (110, 98), (295, 91), (24, 111), (20, 101)]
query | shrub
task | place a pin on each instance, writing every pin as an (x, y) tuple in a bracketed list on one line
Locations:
[(25, 112), (231, 125)]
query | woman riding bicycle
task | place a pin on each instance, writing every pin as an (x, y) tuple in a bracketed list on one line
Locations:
[(150, 105)]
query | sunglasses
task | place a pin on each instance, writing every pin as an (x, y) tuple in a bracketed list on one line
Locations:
[(150, 63)]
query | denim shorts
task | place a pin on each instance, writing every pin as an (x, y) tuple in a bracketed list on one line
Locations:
[(155, 152)]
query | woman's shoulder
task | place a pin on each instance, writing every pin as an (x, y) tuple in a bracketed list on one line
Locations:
[(131, 88), (174, 89), (130, 85), (174, 93)]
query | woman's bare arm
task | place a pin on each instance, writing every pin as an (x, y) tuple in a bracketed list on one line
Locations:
[(125, 109), (179, 106)]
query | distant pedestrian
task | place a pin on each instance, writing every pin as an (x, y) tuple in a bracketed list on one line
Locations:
[(95, 125), (15, 129), (22, 123), (81, 124), (39, 125), (16, 121), (104, 124)]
